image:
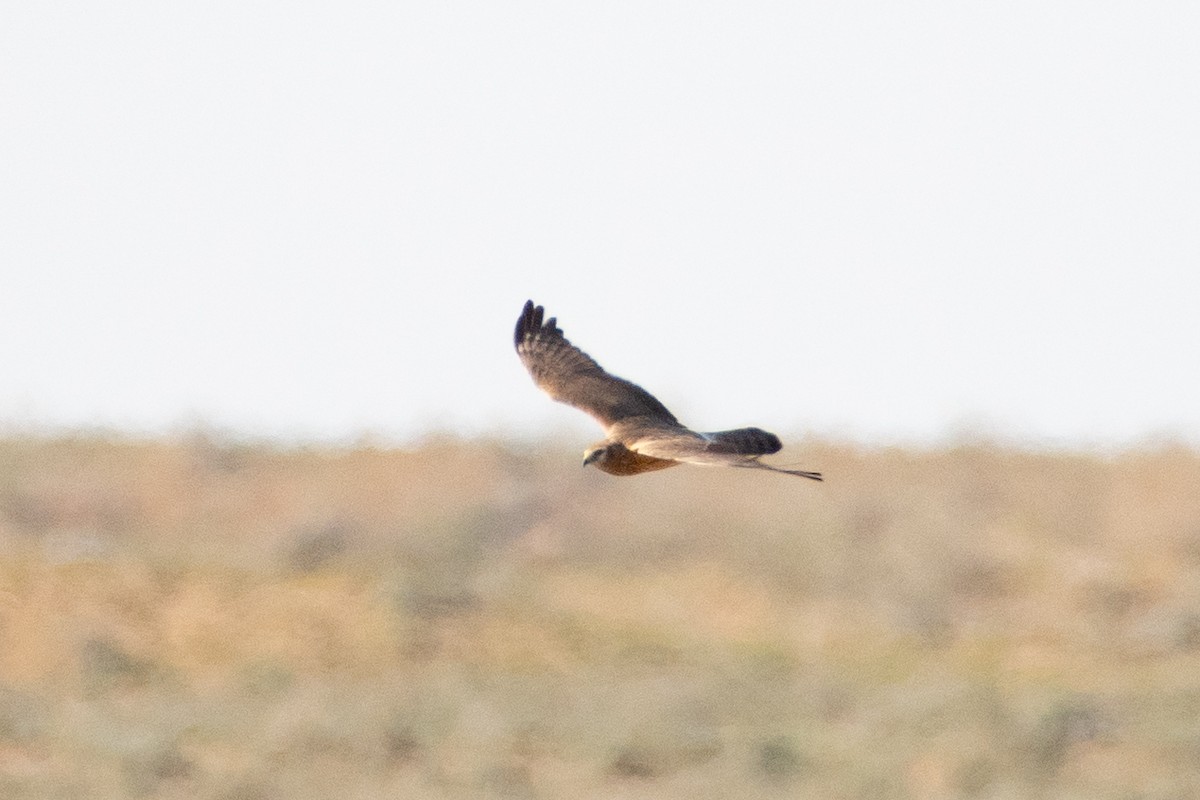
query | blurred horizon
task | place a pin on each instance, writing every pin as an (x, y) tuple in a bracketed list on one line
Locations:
[(571, 437), (219, 620)]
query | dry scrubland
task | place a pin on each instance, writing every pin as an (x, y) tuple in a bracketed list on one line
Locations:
[(192, 619)]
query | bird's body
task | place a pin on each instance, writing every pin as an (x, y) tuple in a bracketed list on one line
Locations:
[(641, 435), (617, 459)]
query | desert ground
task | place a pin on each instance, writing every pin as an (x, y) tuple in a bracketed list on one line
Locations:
[(194, 617)]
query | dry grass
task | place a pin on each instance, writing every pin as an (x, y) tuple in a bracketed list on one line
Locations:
[(202, 620)]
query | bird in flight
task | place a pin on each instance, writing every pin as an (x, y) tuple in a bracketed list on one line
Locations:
[(641, 435)]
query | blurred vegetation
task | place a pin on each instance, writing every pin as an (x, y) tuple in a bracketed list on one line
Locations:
[(199, 619)]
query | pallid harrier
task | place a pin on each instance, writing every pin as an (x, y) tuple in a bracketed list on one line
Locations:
[(641, 434)]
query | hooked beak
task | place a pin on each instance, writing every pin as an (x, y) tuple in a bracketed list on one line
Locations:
[(588, 458)]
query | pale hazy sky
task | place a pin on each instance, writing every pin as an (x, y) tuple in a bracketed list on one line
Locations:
[(870, 219)]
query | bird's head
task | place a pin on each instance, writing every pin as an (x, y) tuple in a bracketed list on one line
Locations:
[(595, 454)]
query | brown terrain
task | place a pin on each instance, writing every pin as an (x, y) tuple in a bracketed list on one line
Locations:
[(193, 618)]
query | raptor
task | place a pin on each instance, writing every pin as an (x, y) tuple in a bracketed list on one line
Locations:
[(641, 435)]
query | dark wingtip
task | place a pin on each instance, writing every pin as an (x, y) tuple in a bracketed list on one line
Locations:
[(530, 320), (762, 442)]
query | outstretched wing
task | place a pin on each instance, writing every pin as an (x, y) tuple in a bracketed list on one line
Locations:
[(718, 448), (570, 376)]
